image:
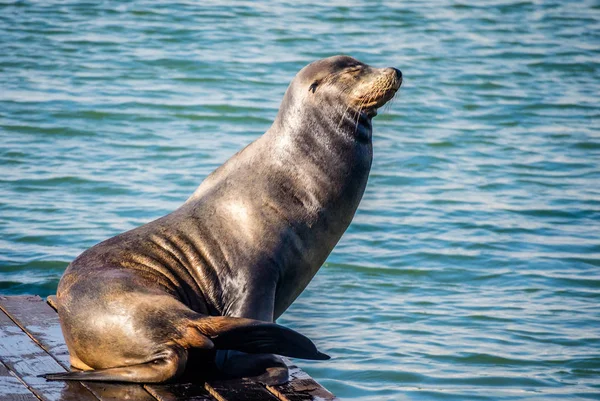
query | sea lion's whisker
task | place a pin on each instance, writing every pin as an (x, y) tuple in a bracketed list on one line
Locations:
[(342, 117), (360, 108)]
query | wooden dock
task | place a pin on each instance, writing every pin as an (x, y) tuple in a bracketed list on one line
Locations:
[(31, 343)]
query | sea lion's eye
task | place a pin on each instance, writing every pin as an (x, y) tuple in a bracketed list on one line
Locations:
[(313, 86)]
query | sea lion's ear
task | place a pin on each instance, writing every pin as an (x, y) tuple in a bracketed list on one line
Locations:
[(313, 87)]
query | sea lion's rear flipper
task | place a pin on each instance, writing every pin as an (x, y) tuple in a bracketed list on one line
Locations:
[(219, 332), (166, 366), (256, 337)]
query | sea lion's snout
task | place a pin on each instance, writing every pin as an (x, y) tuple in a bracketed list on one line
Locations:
[(378, 88)]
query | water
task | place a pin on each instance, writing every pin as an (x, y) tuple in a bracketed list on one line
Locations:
[(471, 270)]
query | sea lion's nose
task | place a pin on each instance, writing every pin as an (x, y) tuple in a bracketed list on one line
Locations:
[(398, 74)]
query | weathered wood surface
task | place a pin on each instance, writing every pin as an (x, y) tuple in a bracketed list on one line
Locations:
[(301, 387), (22, 356), (11, 389), (179, 391), (32, 344), (239, 390)]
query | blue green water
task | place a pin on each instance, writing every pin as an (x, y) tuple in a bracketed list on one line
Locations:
[(472, 268)]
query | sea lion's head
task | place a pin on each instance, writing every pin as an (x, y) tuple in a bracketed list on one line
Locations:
[(347, 81), (341, 89)]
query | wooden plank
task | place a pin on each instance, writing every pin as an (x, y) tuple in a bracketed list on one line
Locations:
[(27, 360), (239, 390), (40, 321), (12, 389), (301, 387), (179, 392)]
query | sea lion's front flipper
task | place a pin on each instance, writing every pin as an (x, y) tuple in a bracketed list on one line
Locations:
[(256, 337)]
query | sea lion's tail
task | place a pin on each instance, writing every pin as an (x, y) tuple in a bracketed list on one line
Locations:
[(254, 337)]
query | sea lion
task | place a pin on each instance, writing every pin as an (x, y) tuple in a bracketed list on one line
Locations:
[(219, 270)]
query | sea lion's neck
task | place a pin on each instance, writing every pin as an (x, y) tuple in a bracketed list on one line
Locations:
[(327, 125), (317, 148), (357, 125)]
